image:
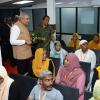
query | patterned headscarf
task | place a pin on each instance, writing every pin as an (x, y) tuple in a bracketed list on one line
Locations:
[(5, 85)]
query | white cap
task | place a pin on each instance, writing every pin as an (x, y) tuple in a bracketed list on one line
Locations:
[(44, 73), (83, 41)]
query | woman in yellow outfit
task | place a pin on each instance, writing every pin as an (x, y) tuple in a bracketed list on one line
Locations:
[(74, 42), (42, 63), (95, 43)]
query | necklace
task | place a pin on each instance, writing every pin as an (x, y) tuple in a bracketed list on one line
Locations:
[(83, 56), (42, 98)]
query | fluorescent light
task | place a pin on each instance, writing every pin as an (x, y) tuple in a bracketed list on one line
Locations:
[(58, 3), (73, 2), (23, 2)]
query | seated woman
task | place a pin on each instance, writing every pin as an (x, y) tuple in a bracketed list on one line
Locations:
[(58, 52), (70, 74), (74, 42), (96, 91), (42, 63), (5, 83), (95, 42)]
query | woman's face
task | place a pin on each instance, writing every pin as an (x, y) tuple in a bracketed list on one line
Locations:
[(75, 38), (58, 47), (1, 80), (66, 61), (44, 55)]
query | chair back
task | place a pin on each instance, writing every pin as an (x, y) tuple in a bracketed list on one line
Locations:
[(87, 95), (21, 87), (87, 69), (56, 62), (68, 92), (70, 49)]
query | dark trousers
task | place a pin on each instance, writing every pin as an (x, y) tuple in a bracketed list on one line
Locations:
[(24, 66)]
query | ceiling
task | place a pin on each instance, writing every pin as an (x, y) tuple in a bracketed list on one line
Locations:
[(6, 4)]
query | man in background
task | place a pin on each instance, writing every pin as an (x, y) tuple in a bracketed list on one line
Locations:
[(86, 55)]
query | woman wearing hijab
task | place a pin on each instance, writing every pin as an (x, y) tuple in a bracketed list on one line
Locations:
[(5, 83), (74, 42), (70, 74), (58, 52), (42, 63), (95, 42)]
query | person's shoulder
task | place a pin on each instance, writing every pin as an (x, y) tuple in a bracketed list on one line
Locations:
[(36, 87), (77, 51), (15, 27), (58, 93), (90, 42), (91, 51)]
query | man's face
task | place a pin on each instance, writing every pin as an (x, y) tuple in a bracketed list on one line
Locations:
[(25, 20), (46, 21), (1, 80), (84, 47), (53, 38), (47, 83)]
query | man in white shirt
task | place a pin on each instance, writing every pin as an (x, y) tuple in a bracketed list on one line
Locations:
[(86, 55), (44, 90), (21, 42)]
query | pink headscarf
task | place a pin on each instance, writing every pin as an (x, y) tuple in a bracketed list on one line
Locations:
[(70, 72)]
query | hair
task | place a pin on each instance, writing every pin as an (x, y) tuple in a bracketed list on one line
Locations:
[(96, 35), (45, 17), (22, 15), (57, 42)]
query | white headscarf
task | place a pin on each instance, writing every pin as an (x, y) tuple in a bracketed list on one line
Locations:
[(5, 85)]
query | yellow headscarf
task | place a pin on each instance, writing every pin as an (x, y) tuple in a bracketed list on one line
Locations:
[(38, 65), (71, 43), (98, 69)]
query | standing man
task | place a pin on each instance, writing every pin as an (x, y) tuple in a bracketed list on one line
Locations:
[(44, 90), (86, 55), (42, 33), (21, 42)]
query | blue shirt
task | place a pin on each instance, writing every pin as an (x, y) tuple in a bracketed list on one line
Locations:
[(54, 94)]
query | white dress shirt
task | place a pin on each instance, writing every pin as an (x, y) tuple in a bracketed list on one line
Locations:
[(15, 31), (89, 57)]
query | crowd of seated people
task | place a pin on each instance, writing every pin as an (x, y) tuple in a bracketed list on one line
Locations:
[(69, 74)]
